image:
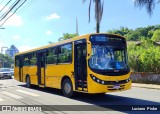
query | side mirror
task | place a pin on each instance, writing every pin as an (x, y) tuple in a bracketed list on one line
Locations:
[(89, 49)]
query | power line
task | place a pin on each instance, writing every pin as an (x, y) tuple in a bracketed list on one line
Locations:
[(5, 5), (13, 12), (8, 14), (10, 9), (26, 6)]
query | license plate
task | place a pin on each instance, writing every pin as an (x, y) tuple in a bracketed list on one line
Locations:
[(116, 86)]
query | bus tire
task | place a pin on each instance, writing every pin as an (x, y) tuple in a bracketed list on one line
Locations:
[(28, 82), (10, 77), (67, 88)]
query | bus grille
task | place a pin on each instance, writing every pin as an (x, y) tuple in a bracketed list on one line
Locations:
[(111, 87)]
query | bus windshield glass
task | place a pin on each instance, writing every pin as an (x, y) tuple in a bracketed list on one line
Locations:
[(107, 55)]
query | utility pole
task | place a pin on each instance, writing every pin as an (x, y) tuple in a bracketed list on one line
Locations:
[(2, 47), (77, 27)]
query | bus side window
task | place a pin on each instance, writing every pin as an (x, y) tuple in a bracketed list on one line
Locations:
[(33, 59), (65, 53), (51, 56), (26, 60), (17, 61)]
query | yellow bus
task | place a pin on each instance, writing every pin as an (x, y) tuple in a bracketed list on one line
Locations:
[(91, 63)]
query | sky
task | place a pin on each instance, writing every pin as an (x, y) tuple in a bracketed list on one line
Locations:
[(41, 21)]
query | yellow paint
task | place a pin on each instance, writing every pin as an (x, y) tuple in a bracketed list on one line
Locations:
[(103, 88), (32, 71), (42, 75), (16, 73)]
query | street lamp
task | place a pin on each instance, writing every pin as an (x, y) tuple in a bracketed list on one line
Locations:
[(3, 47)]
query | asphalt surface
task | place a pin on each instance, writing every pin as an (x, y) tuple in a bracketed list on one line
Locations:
[(13, 92)]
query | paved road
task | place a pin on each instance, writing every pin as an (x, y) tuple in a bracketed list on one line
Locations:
[(15, 93)]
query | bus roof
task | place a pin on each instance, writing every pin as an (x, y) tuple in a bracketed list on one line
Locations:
[(64, 41)]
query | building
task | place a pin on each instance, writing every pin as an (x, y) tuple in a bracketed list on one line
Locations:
[(12, 51)]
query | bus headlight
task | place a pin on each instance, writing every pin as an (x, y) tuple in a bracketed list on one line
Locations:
[(128, 79)]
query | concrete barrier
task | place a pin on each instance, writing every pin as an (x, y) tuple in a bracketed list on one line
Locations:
[(148, 78)]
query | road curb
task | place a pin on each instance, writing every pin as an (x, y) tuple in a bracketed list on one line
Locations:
[(148, 86)]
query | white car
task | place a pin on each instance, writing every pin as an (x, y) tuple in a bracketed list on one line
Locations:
[(5, 73), (12, 72)]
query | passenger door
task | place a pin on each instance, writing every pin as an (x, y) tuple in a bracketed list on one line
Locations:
[(80, 64), (21, 68), (41, 62)]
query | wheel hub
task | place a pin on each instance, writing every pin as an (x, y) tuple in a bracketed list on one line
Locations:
[(67, 88)]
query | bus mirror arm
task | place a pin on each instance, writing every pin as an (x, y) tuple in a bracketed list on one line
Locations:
[(88, 56), (72, 72), (89, 49)]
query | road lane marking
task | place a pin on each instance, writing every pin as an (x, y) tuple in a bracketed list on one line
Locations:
[(1, 99), (28, 93), (11, 95)]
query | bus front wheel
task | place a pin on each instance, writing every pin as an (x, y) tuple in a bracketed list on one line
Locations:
[(28, 82), (67, 88)]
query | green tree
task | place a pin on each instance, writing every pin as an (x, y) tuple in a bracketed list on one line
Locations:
[(136, 34), (133, 57), (144, 58), (5, 60), (98, 12), (149, 4), (67, 36), (133, 36), (156, 36)]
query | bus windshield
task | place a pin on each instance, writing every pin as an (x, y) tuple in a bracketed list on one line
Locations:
[(108, 58), (108, 53)]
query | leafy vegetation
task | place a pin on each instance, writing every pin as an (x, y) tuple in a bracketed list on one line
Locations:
[(67, 36), (5, 61), (156, 35), (144, 58), (150, 32)]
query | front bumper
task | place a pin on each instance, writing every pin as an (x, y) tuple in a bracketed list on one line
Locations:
[(5, 75)]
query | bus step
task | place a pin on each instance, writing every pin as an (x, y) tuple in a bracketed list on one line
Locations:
[(80, 85), (43, 86), (80, 89)]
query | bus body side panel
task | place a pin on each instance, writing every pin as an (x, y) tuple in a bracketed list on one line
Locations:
[(42, 76), (95, 87), (55, 73), (32, 71), (16, 73), (24, 73)]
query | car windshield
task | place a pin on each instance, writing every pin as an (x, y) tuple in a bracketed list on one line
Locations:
[(4, 70), (108, 58)]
